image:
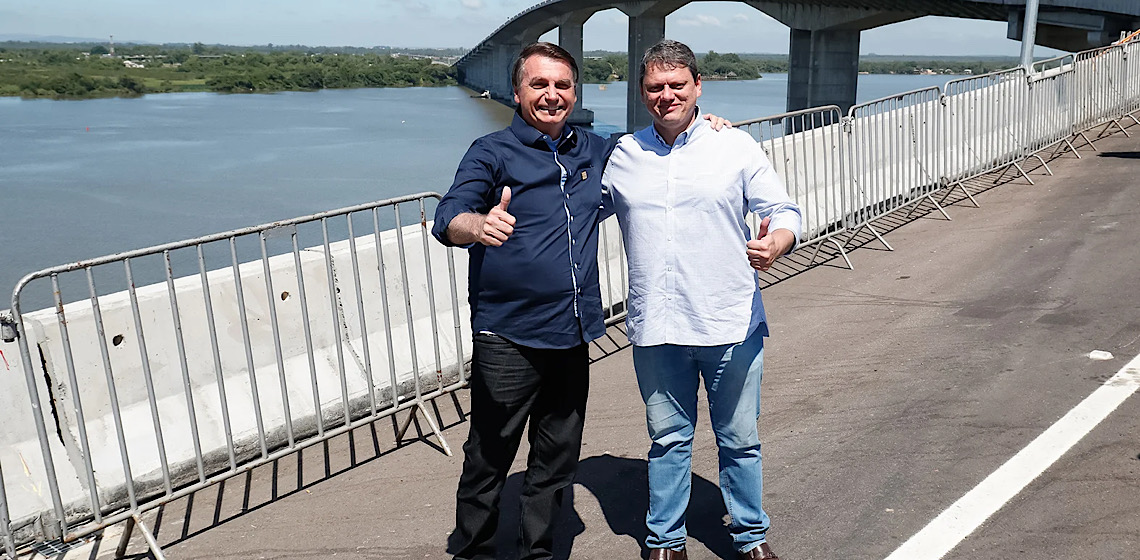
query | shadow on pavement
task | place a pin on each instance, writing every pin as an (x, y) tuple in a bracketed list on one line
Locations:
[(1122, 155), (621, 487)]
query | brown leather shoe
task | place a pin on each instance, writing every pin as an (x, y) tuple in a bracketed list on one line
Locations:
[(762, 552), (668, 554)]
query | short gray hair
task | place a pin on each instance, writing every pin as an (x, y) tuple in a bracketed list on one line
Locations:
[(669, 54)]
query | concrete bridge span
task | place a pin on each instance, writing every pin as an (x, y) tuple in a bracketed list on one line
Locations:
[(824, 39)]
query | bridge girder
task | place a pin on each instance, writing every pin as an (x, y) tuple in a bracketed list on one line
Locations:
[(824, 36)]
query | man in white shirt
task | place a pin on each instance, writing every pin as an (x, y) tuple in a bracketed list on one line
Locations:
[(681, 194)]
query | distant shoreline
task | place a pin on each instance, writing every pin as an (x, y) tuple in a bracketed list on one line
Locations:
[(67, 72)]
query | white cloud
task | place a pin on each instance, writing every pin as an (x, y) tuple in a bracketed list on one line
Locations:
[(740, 18), (700, 20), (472, 4)]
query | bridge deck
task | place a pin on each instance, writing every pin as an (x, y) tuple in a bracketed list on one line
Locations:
[(892, 390)]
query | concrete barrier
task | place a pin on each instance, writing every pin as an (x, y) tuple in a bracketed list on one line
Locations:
[(280, 411), (21, 458)]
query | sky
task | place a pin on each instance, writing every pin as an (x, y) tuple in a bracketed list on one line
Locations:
[(718, 26)]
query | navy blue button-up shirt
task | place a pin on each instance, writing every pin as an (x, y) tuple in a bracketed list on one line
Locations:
[(540, 288)]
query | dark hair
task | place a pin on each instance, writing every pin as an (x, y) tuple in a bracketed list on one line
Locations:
[(548, 50), (669, 54)]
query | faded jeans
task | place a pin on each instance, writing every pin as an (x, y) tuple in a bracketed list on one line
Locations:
[(667, 375)]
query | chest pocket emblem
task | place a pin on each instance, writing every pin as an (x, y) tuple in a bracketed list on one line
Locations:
[(583, 175)]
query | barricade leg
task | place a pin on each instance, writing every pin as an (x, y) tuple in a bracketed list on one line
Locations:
[(1087, 141), (842, 253), (1023, 173), (1043, 164), (1073, 148), (1017, 166), (1108, 125), (874, 231), (961, 185), (930, 197), (151, 542), (434, 428)]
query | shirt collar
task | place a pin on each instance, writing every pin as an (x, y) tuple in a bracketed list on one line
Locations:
[(696, 127), (533, 137)]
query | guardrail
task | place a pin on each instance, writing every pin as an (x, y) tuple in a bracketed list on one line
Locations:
[(254, 344), (898, 151), (158, 372), (805, 148), (161, 371)]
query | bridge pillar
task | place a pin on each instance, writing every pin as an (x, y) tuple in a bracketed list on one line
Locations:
[(824, 49), (504, 59), (644, 32), (570, 38), (823, 69)]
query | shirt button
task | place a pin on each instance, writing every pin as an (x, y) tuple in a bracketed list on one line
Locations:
[(669, 269)]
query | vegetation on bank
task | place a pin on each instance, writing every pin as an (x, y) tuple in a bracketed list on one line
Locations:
[(612, 67), (79, 72), (603, 66)]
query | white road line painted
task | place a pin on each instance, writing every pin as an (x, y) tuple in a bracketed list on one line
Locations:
[(960, 519)]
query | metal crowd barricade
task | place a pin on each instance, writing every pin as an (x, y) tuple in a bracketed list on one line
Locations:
[(179, 366), (805, 148), (1101, 97), (986, 126), (1132, 80), (896, 155), (1049, 117), (612, 272)]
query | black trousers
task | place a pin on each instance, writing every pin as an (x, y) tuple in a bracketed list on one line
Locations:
[(509, 385)]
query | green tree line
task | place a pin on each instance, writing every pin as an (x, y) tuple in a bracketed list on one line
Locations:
[(602, 67), (76, 71), (73, 73)]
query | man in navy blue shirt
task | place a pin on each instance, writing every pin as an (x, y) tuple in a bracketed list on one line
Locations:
[(526, 201)]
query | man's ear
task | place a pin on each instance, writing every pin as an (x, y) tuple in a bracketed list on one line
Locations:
[(517, 102)]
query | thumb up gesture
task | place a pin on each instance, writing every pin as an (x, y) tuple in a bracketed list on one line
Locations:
[(768, 246), (498, 224)]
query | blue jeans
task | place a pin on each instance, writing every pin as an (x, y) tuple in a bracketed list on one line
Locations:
[(668, 378)]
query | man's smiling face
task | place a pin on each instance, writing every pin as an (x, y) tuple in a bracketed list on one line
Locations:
[(670, 93), (546, 94)]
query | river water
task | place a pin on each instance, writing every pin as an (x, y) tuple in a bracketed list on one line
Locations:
[(81, 179)]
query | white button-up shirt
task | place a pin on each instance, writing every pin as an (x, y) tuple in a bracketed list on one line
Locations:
[(682, 212)]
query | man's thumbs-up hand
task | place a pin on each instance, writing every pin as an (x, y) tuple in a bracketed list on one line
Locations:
[(498, 224), (505, 200), (768, 246)]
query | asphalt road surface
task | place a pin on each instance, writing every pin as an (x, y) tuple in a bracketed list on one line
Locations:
[(891, 392)]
